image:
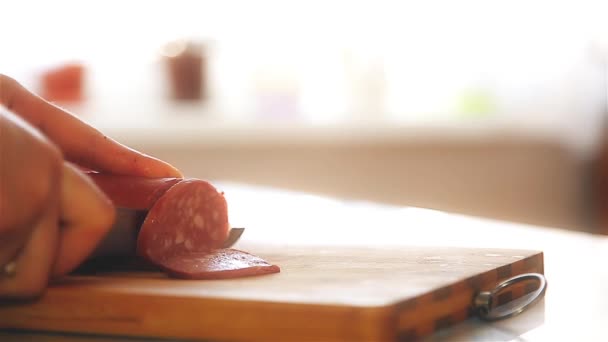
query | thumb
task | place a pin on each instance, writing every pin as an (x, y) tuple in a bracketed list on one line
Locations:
[(86, 215)]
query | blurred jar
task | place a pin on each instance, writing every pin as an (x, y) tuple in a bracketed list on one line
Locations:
[(186, 66), (64, 83)]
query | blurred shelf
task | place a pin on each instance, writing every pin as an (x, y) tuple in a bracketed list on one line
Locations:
[(185, 125)]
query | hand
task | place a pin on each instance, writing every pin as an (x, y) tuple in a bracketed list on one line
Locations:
[(51, 215)]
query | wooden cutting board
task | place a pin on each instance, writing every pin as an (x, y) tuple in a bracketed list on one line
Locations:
[(322, 293)]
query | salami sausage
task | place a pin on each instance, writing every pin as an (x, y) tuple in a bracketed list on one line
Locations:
[(191, 217), (132, 192), (220, 264), (185, 225)]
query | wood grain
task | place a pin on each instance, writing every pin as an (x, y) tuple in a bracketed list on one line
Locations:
[(322, 293)]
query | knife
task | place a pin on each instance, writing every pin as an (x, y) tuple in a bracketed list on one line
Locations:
[(121, 240)]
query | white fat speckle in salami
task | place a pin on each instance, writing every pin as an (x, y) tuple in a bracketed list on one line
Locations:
[(167, 243), (179, 237), (199, 221), (215, 215), (188, 244)]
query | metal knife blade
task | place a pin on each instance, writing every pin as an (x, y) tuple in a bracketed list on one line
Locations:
[(233, 236), (121, 240)]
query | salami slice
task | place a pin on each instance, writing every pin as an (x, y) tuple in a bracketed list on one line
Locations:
[(220, 264), (132, 192), (191, 217)]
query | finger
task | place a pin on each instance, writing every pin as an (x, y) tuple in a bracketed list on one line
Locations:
[(86, 216), (81, 143), (26, 184), (34, 263)]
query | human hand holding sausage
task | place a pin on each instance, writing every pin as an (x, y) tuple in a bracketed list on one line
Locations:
[(51, 215)]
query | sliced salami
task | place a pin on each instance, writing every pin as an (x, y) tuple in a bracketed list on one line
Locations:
[(186, 222), (220, 264), (132, 192), (191, 217)]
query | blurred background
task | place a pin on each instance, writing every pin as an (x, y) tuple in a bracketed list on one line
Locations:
[(493, 109)]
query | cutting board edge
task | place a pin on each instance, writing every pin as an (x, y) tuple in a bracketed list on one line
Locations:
[(329, 321), (439, 299)]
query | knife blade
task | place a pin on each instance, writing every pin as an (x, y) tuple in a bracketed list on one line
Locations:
[(121, 240)]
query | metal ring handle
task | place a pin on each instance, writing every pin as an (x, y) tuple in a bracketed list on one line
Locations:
[(482, 303)]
